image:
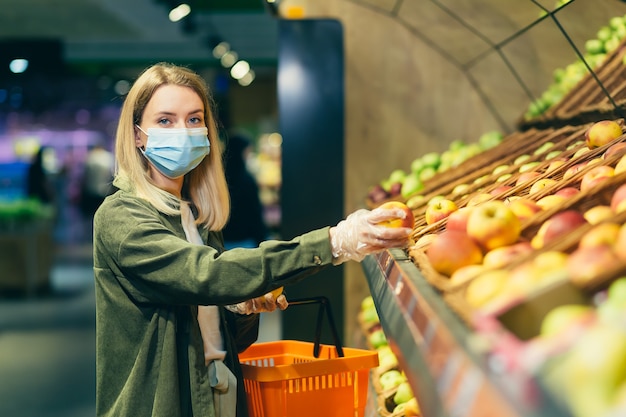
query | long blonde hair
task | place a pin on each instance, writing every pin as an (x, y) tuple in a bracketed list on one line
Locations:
[(206, 184)]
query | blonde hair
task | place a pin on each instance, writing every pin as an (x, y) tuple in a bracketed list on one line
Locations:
[(206, 184)]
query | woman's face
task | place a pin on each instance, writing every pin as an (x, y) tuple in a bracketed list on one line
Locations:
[(171, 106)]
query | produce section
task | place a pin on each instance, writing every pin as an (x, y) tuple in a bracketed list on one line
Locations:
[(510, 299)]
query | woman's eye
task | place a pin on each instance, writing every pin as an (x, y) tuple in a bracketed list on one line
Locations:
[(163, 122), (195, 120)]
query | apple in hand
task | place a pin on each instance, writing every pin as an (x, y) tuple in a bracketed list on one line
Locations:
[(557, 226), (493, 224), (595, 176), (451, 250), (407, 221), (439, 210), (601, 133)]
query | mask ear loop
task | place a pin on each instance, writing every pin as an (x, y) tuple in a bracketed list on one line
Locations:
[(142, 148)]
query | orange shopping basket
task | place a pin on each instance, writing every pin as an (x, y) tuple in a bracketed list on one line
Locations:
[(291, 378)]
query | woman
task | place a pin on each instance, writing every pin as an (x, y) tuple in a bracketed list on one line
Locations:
[(173, 309)]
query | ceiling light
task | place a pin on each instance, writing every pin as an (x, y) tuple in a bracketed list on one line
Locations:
[(179, 12), (19, 65), (240, 69)]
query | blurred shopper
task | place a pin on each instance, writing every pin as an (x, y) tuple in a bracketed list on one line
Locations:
[(97, 179), (173, 308), (246, 225), (38, 183)]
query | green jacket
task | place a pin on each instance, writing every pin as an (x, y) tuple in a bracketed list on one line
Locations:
[(148, 282)]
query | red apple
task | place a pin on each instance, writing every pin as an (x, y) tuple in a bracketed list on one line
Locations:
[(439, 210), (524, 208), (586, 263), (573, 170), (595, 176), (616, 149), (451, 250), (568, 191), (458, 219), (502, 256), (526, 176), (493, 224), (557, 226), (601, 133), (499, 190), (618, 200), (407, 221)]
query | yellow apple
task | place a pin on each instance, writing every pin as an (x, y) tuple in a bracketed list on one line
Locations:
[(439, 210), (502, 256), (540, 184), (601, 133), (407, 221), (524, 208), (598, 213), (486, 287), (493, 224), (549, 201), (601, 234)]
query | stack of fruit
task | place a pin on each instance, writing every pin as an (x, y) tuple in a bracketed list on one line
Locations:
[(403, 185), (567, 81), (480, 246), (395, 395)]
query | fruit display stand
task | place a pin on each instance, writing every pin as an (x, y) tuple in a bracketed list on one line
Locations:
[(443, 359), (467, 356)]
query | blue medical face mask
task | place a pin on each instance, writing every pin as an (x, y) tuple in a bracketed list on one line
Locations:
[(175, 152)]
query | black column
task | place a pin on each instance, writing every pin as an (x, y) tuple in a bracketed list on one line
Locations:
[(311, 116)]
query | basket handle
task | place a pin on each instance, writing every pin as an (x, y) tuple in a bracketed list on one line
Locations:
[(324, 307)]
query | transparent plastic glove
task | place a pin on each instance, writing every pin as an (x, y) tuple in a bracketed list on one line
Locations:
[(264, 304), (360, 235)]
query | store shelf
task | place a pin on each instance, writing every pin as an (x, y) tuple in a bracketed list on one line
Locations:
[(451, 373)]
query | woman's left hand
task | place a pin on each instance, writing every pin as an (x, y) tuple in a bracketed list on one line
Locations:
[(264, 304)]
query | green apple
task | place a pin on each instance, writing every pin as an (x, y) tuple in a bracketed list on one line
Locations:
[(412, 185), (391, 379), (431, 159), (403, 394), (377, 338), (490, 139), (386, 358), (521, 159), (427, 173), (562, 316), (397, 175)]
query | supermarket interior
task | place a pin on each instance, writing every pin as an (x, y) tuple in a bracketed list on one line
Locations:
[(497, 126)]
